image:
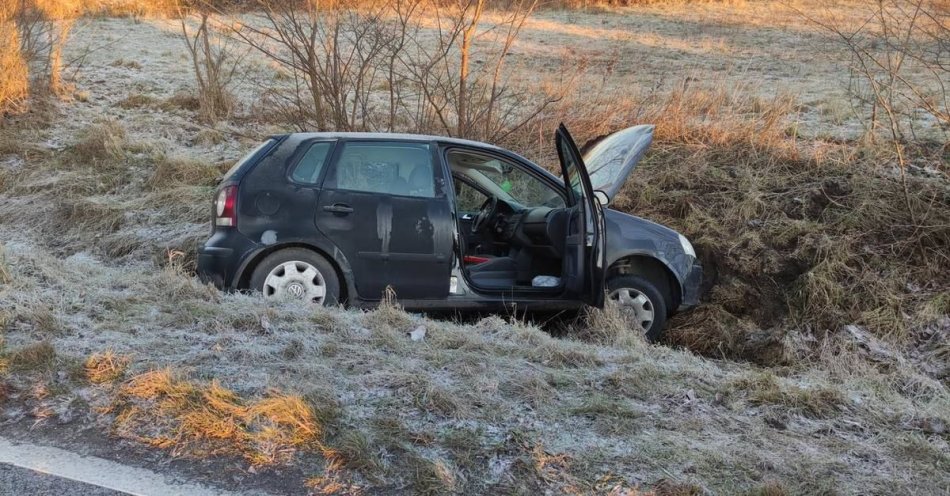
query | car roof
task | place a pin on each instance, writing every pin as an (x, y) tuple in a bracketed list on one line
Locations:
[(391, 137)]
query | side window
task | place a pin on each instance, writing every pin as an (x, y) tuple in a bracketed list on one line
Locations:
[(386, 167), (311, 163), (505, 180), (468, 199)]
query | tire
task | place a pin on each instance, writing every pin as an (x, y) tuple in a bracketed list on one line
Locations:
[(629, 288), (287, 273)]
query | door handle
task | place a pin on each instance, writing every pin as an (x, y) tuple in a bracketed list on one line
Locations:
[(338, 208)]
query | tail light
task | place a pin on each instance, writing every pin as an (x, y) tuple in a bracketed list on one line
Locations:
[(224, 212)]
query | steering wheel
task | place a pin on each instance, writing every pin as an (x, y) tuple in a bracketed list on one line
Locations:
[(485, 213)]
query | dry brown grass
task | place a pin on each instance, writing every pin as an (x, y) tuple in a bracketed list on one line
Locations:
[(100, 144), (812, 234), (136, 100), (765, 389), (170, 172), (105, 367), (5, 276), (35, 357), (607, 326), (164, 410), (14, 84)]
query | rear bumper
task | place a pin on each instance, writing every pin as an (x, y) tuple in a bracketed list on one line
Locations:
[(692, 286), (219, 259), (213, 265)]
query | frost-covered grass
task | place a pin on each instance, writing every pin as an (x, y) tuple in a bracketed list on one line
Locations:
[(472, 407), (103, 200)]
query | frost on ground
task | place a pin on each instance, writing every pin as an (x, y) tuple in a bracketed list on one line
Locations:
[(104, 328), (491, 406)]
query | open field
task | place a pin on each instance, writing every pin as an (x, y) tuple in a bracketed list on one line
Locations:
[(818, 363)]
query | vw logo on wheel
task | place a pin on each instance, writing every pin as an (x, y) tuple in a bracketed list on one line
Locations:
[(296, 290)]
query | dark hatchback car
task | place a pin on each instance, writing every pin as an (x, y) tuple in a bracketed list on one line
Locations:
[(447, 224)]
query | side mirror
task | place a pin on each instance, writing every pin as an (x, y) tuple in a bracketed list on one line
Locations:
[(602, 197)]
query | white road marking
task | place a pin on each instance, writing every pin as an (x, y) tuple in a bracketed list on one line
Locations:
[(97, 471)]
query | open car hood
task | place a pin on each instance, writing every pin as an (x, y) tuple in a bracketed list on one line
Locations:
[(613, 158)]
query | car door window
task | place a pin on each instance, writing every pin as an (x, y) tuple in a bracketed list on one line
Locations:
[(310, 165), (386, 167), (468, 200), (511, 183)]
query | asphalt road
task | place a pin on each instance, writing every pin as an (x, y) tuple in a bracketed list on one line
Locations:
[(16, 481)]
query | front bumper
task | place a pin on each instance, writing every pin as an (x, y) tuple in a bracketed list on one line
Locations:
[(692, 286)]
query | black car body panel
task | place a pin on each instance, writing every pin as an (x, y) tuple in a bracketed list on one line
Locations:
[(631, 236), (409, 243)]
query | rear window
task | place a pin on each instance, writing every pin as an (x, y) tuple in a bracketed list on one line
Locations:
[(311, 163), (247, 158)]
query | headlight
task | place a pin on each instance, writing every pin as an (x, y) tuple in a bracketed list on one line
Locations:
[(687, 247)]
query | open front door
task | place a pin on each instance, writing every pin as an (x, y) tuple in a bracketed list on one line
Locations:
[(586, 245)]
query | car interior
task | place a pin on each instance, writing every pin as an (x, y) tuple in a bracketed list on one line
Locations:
[(513, 226)]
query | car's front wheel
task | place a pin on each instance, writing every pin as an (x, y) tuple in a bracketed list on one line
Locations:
[(641, 302), (297, 273)]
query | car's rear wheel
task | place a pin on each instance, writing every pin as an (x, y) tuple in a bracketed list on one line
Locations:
[(641, 302), (297, 273)]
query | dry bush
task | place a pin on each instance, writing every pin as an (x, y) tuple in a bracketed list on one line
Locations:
[(380, 65), (63, 14), (14, 86), (164, 410), (135, 8), (214, 65), (45, 26), (898, 63)]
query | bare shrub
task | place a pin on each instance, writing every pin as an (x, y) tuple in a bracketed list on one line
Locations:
[(382, 66), (330, 52), (473, 102), (60, 16), (43, 27), (214, 65), (898, 72), (14, 86), (899, 68)]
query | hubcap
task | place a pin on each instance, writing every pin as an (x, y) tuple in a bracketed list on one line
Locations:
[(296, 280), (636, 305)]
